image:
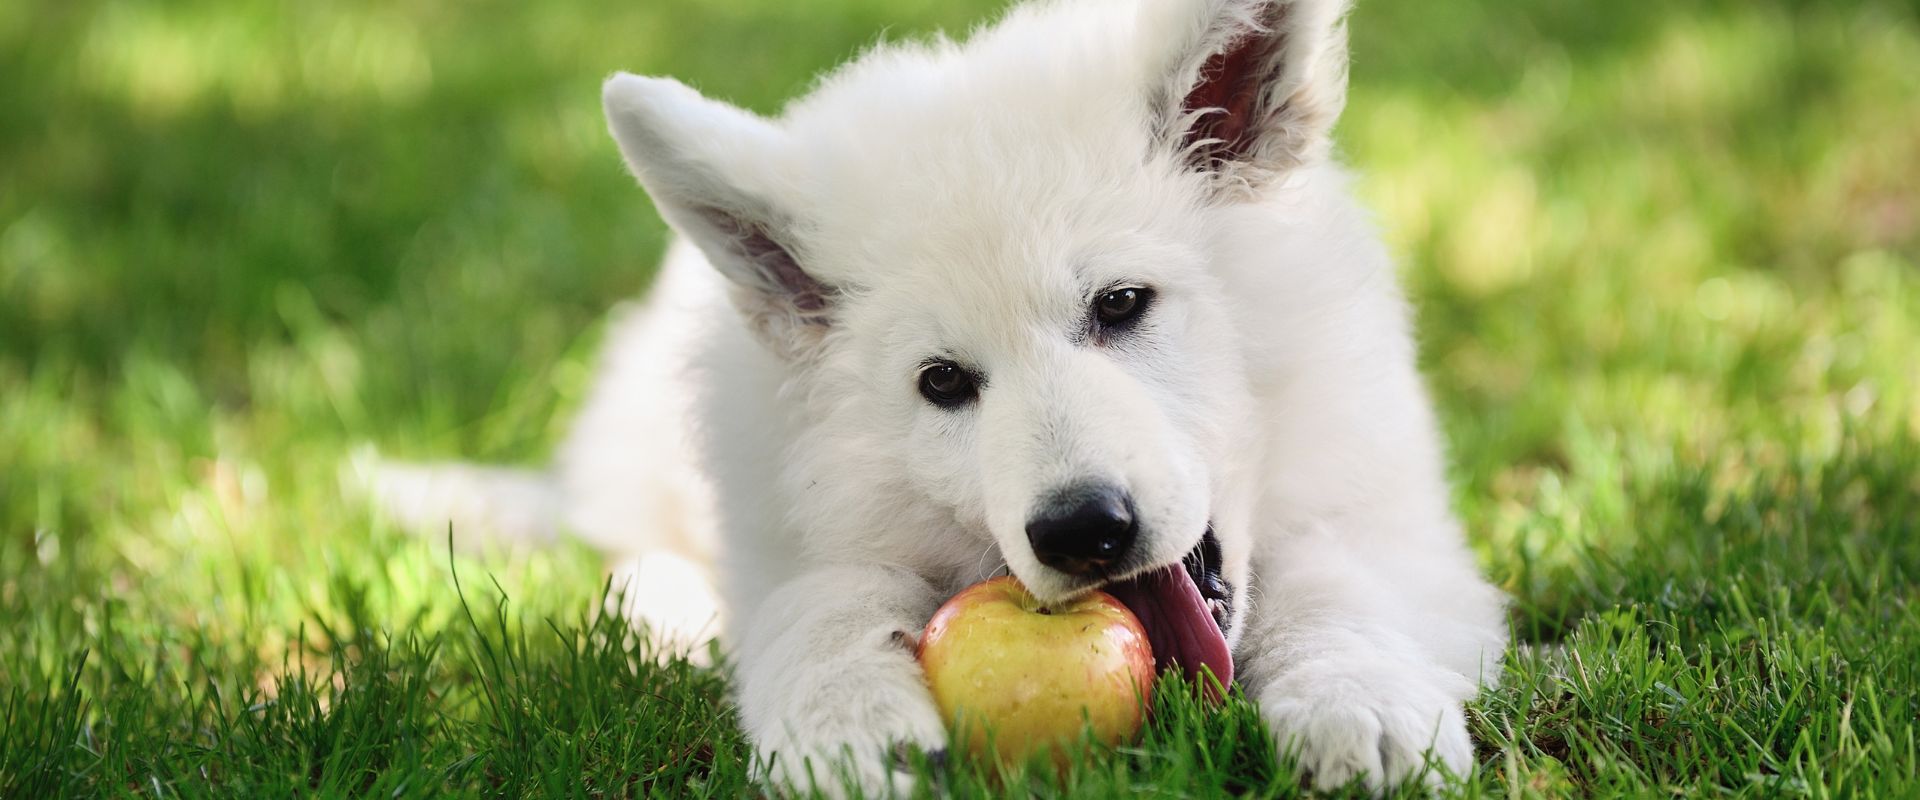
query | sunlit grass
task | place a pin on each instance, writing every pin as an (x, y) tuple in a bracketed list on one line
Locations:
[(1666, 259)]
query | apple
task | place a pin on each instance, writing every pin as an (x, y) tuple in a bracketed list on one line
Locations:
[(996, 658)]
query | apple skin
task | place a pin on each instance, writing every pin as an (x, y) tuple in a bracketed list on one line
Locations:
[(993, 654)]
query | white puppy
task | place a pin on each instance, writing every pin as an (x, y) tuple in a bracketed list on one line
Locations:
[(1084, 298)]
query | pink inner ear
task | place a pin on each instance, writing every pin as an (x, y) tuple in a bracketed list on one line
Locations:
[(805, 293), (1232, 80), (778, 270)]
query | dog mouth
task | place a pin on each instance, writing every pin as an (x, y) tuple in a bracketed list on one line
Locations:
[(1185, 609)]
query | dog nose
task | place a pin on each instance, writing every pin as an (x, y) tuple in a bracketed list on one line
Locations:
[(1083, 529)]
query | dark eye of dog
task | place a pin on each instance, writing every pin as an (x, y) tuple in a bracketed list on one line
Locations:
[(1121, 306), (947, 385)]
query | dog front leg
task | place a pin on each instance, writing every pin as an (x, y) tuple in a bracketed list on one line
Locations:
[(829, 685), (1362, 650)]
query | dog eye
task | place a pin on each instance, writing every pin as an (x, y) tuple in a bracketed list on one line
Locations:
[(1120, 306), (947, 385)]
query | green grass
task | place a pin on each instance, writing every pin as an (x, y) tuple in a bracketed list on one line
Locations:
[(1666, 257)]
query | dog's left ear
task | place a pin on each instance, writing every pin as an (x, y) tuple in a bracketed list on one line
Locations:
[(1249, 88)]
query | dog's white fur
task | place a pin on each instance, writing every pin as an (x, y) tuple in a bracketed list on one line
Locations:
[(966, 201)]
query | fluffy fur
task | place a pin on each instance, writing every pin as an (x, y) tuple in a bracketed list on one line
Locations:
[(757, 421)]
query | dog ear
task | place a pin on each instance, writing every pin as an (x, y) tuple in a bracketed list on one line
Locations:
[(711, 169), (1252, 87)]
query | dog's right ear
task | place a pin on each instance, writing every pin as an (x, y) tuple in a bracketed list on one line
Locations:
[(713, 171)]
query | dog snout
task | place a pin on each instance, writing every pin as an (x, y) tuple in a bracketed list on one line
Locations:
[(1083, 529)]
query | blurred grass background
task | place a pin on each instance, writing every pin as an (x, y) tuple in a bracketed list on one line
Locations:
[(1666, 259)]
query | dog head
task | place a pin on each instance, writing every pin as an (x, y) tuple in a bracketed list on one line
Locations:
[(991, 269)]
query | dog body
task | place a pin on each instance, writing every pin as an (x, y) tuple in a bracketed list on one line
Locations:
[(1083, 299)]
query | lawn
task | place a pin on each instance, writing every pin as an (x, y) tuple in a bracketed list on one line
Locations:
[(1666, 259)]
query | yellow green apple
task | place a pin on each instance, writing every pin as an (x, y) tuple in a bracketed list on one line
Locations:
[(1036, 675)]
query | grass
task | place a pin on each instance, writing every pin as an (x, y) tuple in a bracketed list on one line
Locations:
[(1666, 257)]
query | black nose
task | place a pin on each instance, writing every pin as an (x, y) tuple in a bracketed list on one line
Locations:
[(1083, 529)]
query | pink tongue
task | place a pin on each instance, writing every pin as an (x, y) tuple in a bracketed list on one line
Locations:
[(1178, 626)]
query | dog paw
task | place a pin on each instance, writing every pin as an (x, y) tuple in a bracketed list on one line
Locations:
[(1384, 724), (847, 729), (673, 599), (875, 761)]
